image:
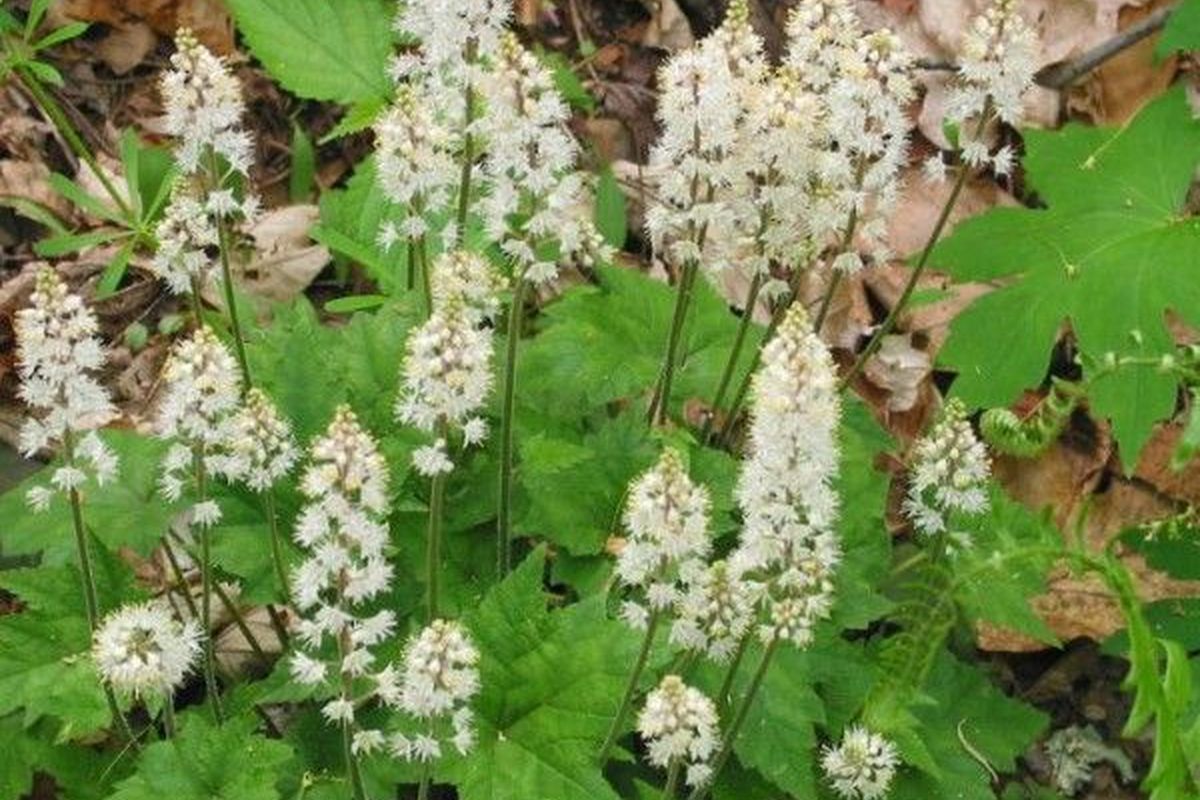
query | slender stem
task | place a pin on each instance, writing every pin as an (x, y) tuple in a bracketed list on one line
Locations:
[(739, 719), (179, 579), (169, 716), (843, 247), (426, 277), (352, 770), (618, 723), (239, 342), (889, 322), (734, 354), (727, 684), (426, 780), (239, 620), (277, 544), (194, 304), (433, 548), (468, 151), (59, 119), (206, 588), (88, 578), (516, 317), (410, 274), (662, 396), (673, 772)]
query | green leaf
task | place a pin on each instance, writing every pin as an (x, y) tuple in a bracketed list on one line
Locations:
[(350, 222), (1111, 254), (576, 490), (31, 750), (45, 668), (550, 683), (355, 302), (997, 727), (605, 343), (128, 512), (1182, 31), (31, 209), (205, 762), (60, 35), (321, 50), (611, 220), (567, 81), (1189, 442)]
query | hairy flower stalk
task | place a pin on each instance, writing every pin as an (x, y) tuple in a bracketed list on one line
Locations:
[(785, 491), (342, 528), (204, 111), (861, 766), (535, 198), (996, 72), (447, 376), (57, 355), (201, 391), (949, 477), (438, 679), (679, 725), (698, 112), (666, 518), (141, 651)]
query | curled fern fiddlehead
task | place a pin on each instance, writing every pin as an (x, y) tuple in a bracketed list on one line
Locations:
[(1031, 436)]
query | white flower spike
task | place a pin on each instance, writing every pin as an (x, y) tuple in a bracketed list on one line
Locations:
[(861, 766)]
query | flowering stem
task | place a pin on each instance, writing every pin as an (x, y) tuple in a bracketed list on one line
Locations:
[(657, 414), (516, 315), (727, 684), (889, 321), (239, 343), (59, 119), (433, 549), (426, 278), (88, 576), (423, 786), (352, 770), (744, 387), (468, 153), (239, 620), (277, 545), (836, 277), (673, 772), (734, 354), (210, 662), (169, 717), (618, 723), (739, 720)]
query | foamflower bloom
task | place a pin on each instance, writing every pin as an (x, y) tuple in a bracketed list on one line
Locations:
[(58, 354), (438, 679), (204, 107), (141, 650), (666, 518), (861, 766), (679, 726), (256, 446), (950, 473), (714, 612), (785, 489)]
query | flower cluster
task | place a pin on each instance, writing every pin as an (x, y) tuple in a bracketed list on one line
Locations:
[(467, 277), (437, 681), (343, 531), (142, 651), (996, 68), (714, 612), (861, 766), (201, 391), (1074, 754), (204, 107), (256, 444), (679, 724), (204, 110), (785, 487), (57, 354), (949, 475), (453, 35), (447, 377), (530, 164), (415, 167), (667, 520)]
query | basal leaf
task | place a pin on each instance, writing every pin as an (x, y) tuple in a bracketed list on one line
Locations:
[(321, 50), (1182, 31), (1111, 254), (351, 219), (550, 683), (205, 762)]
